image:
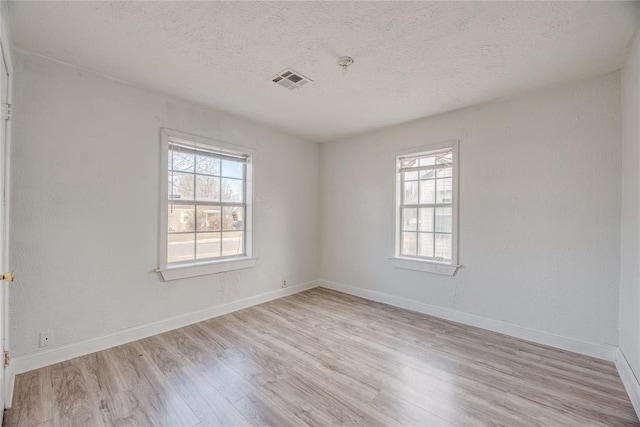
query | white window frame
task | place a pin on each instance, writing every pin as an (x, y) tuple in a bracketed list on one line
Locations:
[(415, 263), (212, 266)]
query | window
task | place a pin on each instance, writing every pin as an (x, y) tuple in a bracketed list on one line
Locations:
[(206, 216), (426, 208)]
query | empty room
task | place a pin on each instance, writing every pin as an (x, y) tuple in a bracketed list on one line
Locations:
[(360, 213)]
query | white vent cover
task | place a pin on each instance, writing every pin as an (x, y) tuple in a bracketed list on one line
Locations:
[(290, 79)]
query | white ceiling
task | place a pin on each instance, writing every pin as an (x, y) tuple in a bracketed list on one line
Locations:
[(412, 59)]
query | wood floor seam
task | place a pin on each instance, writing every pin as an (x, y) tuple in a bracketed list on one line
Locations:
[(324, 358)]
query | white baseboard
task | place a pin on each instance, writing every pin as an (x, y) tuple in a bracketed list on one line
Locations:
[(600, 351), (37, 360), (629, 380), (48, 357)]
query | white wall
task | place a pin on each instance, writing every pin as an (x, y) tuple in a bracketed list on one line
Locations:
[(539, 211), (84, 190), (629, 334)]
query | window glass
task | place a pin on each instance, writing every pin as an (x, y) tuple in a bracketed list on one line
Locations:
[(206, 203), (425, 205)]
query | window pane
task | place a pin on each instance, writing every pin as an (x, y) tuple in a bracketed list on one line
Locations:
[(428, 161), (181, 218), (410, 219), (409, 244), (232, 218), (180, 247), (232, 243), (444, 191), (208, 218), (231, 189), (427, 191), (427, 230), (207, 245), (207, 188), (410, 193), (426, 219), (428, 174), (411, 176), (181, 161), (444, 220), (443, 247), (180, 186), (444, 158), (231, 169), (426, 245), (207, 165), (409, 163), (445, 173)]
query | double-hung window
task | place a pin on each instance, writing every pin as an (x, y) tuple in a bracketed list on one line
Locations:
[(206, 216), (426, 208)]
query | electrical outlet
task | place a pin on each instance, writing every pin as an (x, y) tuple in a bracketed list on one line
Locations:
[(46, 338), (284, 283)]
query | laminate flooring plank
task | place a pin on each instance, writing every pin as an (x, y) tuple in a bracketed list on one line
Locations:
[(144, 386), (132, 398), (263, 358), (309, 376), (323, 358), (238, 384), (72, 396), (358, 382), (235, 401), (477, 352), (165, 351), (206, 402), (34, 389), (532, 380), (279, 384), (286, 389), (491, 353)]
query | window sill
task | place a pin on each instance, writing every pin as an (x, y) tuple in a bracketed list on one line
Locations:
[(194, 270), (425, 266)]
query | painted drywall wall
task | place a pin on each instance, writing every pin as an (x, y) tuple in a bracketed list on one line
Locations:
[(6, 41), (539, 211), (539, 214), (629, 322), (84, 190)]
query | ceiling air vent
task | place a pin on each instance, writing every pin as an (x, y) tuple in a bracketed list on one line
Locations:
[(290, 79)]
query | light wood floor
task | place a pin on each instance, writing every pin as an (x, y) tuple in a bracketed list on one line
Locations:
[(325, 358)]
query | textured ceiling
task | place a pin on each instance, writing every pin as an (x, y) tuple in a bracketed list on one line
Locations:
[(412, 59)]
